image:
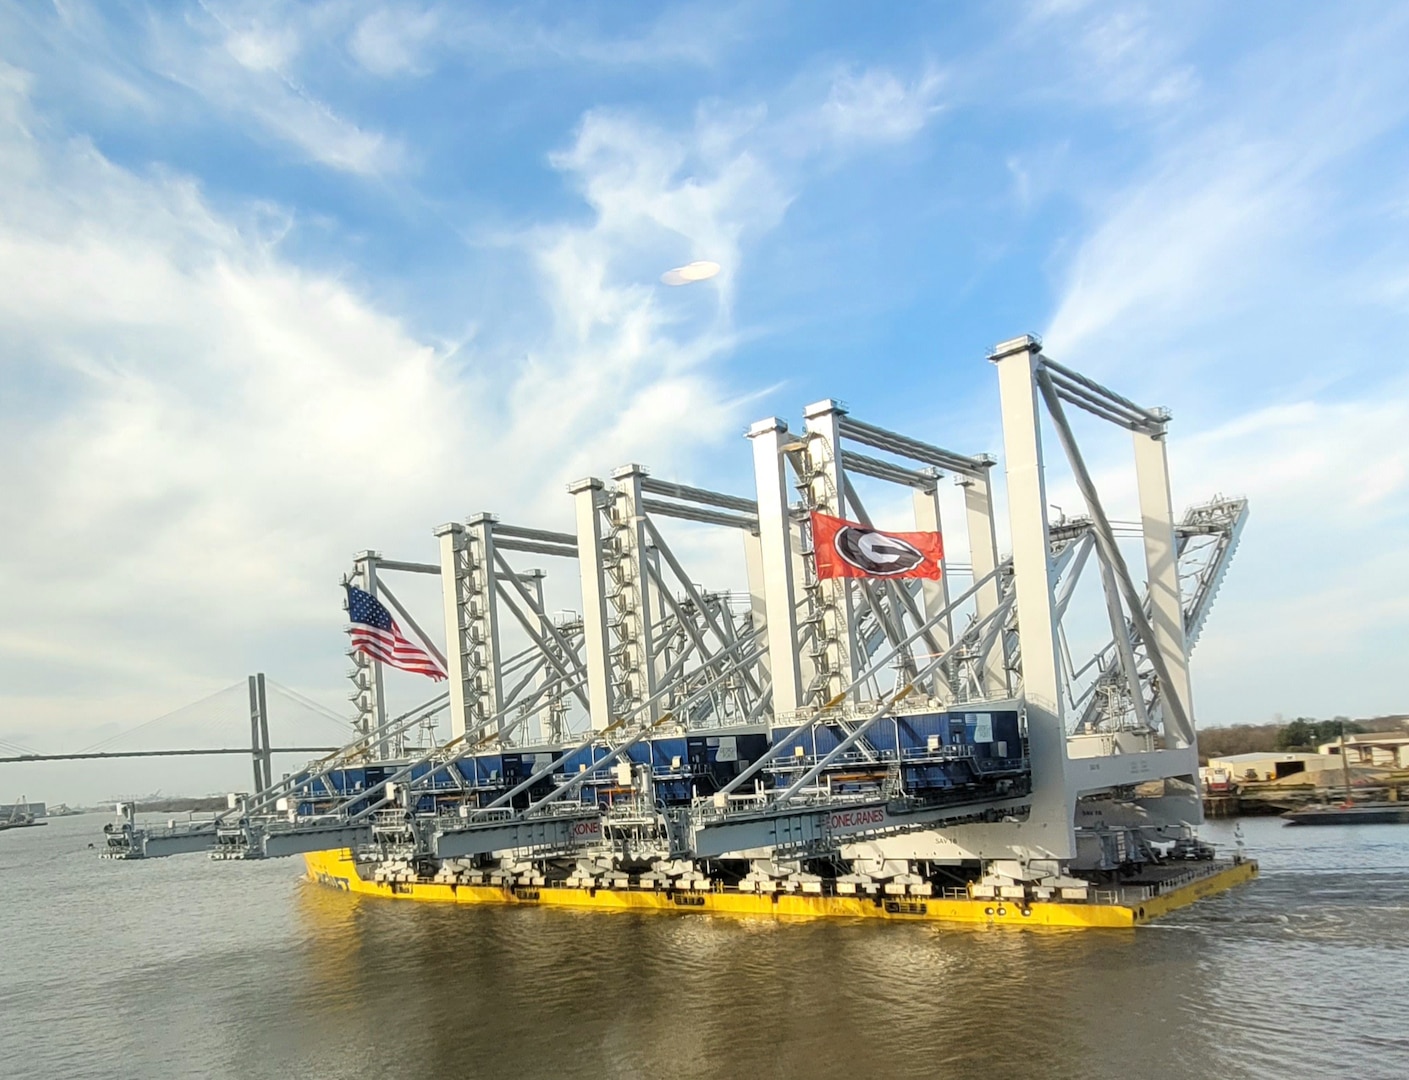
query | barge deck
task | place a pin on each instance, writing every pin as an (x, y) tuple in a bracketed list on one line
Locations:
[(1123, 907)]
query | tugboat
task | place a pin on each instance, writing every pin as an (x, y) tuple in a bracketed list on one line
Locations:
[(20, 817)]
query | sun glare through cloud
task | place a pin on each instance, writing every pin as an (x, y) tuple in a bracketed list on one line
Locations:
[(701, 270)]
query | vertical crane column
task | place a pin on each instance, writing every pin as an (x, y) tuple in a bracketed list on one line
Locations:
[(758, 591), (1162, 566), (482, 624), (1017, 362), (469, 588), (827, 495), (775, 547), (553, 722), (454, 589), (935, 593), (983, 557), (589, 497), (367, 695), (635, 654)]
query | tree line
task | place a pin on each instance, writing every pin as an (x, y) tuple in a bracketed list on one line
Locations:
[(1304, 734)]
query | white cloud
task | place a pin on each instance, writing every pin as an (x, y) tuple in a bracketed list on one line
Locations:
[(876, 106), (1315, 607), (201, 433), (261, 49), (1317, 601), (1227, 278), (622, 352), (1237, 201), (1154, 252), (1116, 54), (391, 41), (242, 60)]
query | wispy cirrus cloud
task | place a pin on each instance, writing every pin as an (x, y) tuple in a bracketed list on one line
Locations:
[(1224, 277), (878, 105), (242, 59), (1232, 199), (198, 409), (393, 39), (1113, 54), (396, 40)]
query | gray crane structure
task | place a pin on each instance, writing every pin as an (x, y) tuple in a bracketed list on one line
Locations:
[(864, 727)]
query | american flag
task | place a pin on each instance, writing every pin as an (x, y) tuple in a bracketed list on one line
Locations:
[(375, 633)]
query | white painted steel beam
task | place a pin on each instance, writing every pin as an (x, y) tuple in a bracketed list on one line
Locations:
[(535, 621), (554, 832), (597, 642), (1120, 638), (827, 492), (1110, 550), (776, 554), (934, 593), (454, 586), (1051, 816), (904, 446), (1162, 567), (371, 699), (758, 602), (296, 841), (983, 557), (156, 847), (686, 493), (702, 608), (636, 669), (483, 621)]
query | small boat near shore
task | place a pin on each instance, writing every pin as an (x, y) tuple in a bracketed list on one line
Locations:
[(20, 817), (1349, 812), (1378, 813)]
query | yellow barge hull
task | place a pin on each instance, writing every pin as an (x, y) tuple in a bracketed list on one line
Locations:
[(338, 870)]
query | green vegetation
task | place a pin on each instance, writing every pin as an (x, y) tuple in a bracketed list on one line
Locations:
[(1306, 734), (1302, 734)]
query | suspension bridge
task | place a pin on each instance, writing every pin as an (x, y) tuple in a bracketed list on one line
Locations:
[(207, 728)]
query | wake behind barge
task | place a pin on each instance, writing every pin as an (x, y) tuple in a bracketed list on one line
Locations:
[(1011, 740)]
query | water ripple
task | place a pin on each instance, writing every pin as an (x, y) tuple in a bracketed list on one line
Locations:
[(182, 967)]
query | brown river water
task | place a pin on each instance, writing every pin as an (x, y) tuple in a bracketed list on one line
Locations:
[(182, 967)]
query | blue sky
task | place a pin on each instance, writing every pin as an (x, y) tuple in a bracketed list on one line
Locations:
[(279, 282)]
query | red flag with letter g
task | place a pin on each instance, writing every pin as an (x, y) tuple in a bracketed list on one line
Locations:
[(849, 549)]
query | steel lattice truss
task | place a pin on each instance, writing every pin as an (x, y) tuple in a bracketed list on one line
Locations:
[(663, 720)]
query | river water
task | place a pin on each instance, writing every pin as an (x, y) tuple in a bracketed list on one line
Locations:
[(187, 968)]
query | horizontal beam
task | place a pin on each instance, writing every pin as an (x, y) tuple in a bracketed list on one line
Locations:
[(905, 446), (300, 841), (164, 753), (833, 823), (409, 567), (555, 831), (1096, 407), (182, 843), (700, 495), (565, 551), (1082, 386), (885, 470), (520, 532), (747, 522)]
